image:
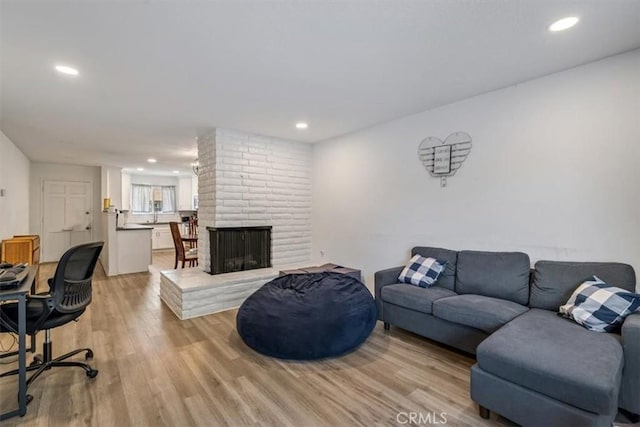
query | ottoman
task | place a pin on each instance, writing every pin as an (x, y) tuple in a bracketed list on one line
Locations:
[(542, 369), (307, 316)]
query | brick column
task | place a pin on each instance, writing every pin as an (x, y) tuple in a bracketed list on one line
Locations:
[(206, 197), (251, 180)]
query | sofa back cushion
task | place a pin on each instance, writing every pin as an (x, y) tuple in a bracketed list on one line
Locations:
[(494, 274), (447, 278), (555, 281)]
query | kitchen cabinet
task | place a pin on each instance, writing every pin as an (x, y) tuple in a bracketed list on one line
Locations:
[(161, 237), (185, 194), (194, 193)]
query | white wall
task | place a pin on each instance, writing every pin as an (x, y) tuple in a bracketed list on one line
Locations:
[(111, 185), (554, 172), (14, 181), (59, 172), (126, 191), (252, 180)]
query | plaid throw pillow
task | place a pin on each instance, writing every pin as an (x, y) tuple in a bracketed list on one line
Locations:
[(422, 271), (600, 307)]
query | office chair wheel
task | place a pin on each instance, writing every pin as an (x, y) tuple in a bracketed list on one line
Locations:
[(92, 373), (88, 355), (37, 360)]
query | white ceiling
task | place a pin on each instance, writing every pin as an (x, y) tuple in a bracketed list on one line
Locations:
[(155, 74)]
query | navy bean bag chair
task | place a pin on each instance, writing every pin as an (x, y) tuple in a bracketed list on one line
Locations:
[(307, 316)]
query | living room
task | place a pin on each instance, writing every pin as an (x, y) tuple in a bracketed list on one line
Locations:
[(355, 131)]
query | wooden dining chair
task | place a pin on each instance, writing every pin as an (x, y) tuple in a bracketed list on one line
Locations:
[(193, 226), (182, 254), (193, 231)]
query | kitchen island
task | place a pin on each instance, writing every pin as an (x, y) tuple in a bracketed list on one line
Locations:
[(127, 247)]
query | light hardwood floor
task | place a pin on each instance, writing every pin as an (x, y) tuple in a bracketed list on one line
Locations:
[(157, 370)]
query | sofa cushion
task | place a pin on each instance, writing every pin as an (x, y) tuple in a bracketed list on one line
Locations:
[(447, 278), (413, 297), (555, 281), (554, 356), (600, 307), (477, 311), (502, 275), (421, 271)]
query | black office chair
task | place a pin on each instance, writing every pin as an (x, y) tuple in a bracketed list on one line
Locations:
[(68, 297)]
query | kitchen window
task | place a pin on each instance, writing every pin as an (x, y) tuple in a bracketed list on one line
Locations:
[(146, 199)]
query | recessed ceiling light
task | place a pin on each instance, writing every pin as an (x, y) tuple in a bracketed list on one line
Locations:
[(140, 169), (151, 160), (563, 24), (64, 69), (176, 171), (301, 125)]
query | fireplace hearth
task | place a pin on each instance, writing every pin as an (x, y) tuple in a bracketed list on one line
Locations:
[(239, 248)]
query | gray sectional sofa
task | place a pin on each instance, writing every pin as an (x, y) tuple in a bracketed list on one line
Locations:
[(533, 366)]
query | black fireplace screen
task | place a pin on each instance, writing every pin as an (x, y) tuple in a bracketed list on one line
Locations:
[(239, 248)]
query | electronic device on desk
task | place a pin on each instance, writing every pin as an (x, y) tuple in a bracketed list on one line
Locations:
[(12, 275)]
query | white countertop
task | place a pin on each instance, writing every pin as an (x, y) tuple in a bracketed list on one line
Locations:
[(134, 227)]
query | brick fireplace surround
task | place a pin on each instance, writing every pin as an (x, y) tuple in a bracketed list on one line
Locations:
[(251, 180), (245, 180)]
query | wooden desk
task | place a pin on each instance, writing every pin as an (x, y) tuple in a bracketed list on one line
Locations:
[(20, 294)]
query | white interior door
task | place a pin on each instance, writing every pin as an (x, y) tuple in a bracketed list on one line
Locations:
[(66, 217)]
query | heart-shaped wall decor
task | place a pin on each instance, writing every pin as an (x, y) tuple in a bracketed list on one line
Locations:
[(435, 153)]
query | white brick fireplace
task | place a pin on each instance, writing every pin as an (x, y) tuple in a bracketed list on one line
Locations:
[(245, 180), (251, 180)]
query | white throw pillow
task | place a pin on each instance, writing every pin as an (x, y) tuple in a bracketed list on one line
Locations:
[(600, 307), (422, 272)]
